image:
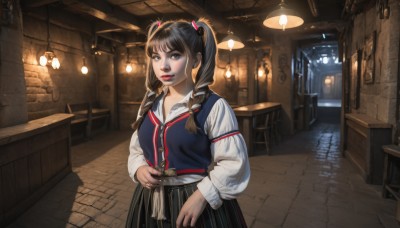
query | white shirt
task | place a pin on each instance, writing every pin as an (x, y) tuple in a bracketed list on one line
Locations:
[(229, 173)]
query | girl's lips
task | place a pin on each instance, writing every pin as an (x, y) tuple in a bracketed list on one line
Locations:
[(167, 77)]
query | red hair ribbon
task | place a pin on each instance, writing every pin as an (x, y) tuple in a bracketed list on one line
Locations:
[(158, 23), (194, 25)]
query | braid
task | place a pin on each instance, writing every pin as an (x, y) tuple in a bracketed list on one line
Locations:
[(147, 103), (205, 74)]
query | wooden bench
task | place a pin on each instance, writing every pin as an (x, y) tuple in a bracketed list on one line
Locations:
[(86, 118)]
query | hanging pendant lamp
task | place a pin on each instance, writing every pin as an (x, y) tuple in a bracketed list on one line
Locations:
[(283, 18), (230, 42)]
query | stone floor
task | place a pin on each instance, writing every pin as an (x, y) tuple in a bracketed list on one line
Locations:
[(304, 183)]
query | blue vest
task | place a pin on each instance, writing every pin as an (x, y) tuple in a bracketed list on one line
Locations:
[(186, 152)]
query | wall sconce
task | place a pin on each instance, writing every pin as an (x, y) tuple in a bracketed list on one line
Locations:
[(84, 68), (283, 18), (260, 72), (94, 49), (262, 68), (128, 67), (128, 62), (228, 72), (383, 9), (49, 58)]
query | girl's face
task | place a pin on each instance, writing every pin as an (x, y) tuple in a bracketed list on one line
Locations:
[(172, 68)]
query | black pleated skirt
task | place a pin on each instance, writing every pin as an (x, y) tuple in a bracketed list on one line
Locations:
[(228, 215)]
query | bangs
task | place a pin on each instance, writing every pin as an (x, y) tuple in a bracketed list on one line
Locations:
[(165, 41)]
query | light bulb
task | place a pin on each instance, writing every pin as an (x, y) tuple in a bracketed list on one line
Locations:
[(228, 73), (328, 81), (55, 63), (231, 44), (43, 60), (128, 68), (84, 69), (283, 21), (325, 60), (260, 72)]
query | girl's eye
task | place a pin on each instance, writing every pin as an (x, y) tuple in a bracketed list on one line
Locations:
[(175, 56), (155, 57)]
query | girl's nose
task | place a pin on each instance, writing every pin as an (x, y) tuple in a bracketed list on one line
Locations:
[(165, 65)]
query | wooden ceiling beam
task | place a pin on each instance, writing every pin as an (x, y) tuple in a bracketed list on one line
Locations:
[(37, 3), (105, 27), (106, 12), (61, 18)]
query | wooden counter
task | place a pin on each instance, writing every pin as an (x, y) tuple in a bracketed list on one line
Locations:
[(363, 138), (245, 116), (33, 157)]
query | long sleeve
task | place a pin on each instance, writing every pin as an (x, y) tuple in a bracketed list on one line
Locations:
[(231, 172), (136, 158)]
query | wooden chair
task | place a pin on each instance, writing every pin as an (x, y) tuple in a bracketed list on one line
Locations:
[(391, 170), (262, 132)]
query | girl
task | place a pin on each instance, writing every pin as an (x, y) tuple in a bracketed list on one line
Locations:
[(186, 152)]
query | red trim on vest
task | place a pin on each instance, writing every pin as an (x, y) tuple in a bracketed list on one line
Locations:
[(156, 122), (149, 163), (185, 171), (154, 118), (225, 136)]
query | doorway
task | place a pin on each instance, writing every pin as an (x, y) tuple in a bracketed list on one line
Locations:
[(324, 78)]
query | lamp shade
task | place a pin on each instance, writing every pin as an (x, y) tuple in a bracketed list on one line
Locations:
[(230, 42), (283, 18)]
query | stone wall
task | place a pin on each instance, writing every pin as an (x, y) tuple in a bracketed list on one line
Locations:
[(12, 83), (378, 99), (282, 79)]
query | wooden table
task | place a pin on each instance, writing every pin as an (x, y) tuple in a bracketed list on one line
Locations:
[(246, 114)]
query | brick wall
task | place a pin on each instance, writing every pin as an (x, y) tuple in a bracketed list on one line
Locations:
[(49, 90)]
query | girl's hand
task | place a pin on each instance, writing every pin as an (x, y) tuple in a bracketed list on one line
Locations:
[(191, 210), (145, 175)]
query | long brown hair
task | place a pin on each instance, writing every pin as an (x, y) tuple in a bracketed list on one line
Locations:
[(184, 37)]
